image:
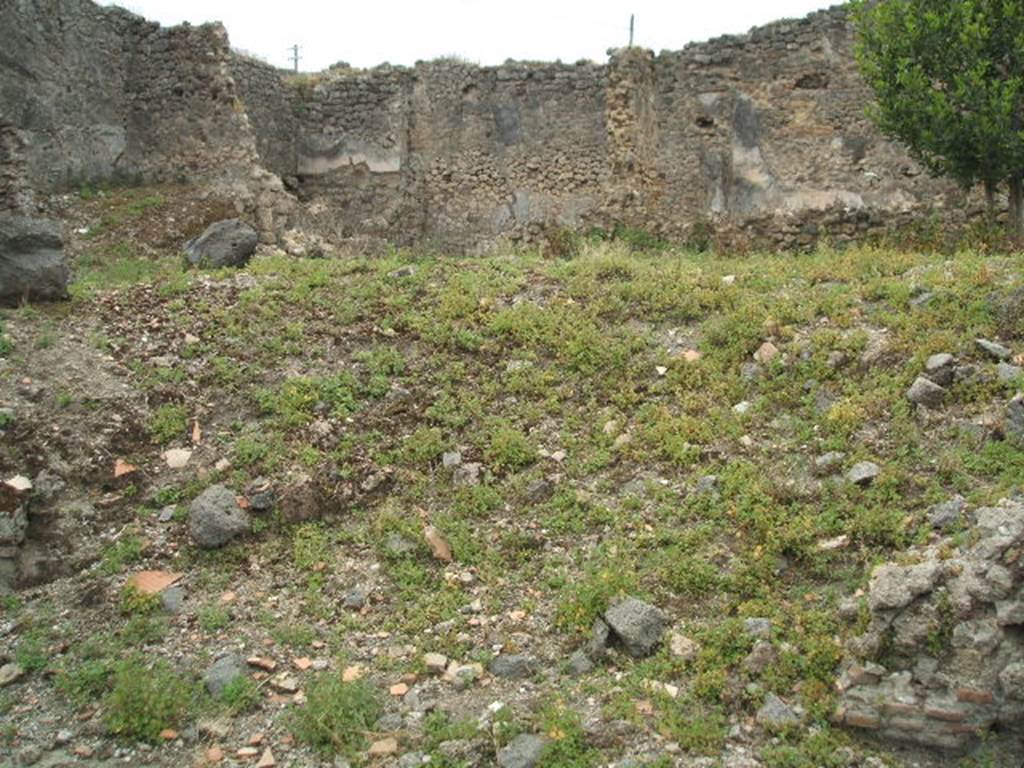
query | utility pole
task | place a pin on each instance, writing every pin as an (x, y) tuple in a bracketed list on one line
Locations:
[(631, 20), (295, 56)]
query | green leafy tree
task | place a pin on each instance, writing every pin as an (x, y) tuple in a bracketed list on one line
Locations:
[(948, 77)]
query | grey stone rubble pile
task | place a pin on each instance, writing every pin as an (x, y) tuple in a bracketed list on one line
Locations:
[(943, 657), (32, 263)]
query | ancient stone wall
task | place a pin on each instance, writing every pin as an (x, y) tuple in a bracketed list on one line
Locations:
[(14, 193), (62, 85), (273, 109), (100, 94), (759, 139)]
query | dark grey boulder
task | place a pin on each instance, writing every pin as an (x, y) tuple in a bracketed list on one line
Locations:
[(215, 518), (637, 625), (229, 243), (32, 263)]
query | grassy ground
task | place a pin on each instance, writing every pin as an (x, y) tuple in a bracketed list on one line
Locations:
[(597, 395)]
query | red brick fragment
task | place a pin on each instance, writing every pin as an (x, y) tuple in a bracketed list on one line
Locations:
[(974, 696)]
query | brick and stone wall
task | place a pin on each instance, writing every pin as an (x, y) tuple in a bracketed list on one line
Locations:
[(942, 659)]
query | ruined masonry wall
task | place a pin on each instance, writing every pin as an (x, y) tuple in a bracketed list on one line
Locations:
[(100, 94), (942, 659), (759, 138)]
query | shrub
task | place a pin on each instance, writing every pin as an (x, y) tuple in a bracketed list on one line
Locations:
[(509, 449), (145, 700), (337, 715)]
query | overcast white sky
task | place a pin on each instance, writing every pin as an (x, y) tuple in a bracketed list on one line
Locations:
[(368, 32)]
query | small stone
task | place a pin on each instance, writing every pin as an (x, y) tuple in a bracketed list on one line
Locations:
[(407, 271), (895, 586), (64, 736), (266, 759), (1009, 373), (766, 353), (926, 392), (19, 484), (451, 459), (757, 626), (994, 349), (10, 673), (229, 243), (946, 513), (398, 689), (728, 279), (173, 599), (285, 683), (388, 746), (775, 714), (580, 663), (513, 666), (214, 755), (683, 647), (863, 473), (355, 598), (741, 408), (524, 751), (177, 458), (939, 368), (829, 463), (637, 625), (1015, 420), (436, 663), (707, 485), (600, 637), (223, 672), (761, 657), (413, 760), (215, 518), (538, 490)]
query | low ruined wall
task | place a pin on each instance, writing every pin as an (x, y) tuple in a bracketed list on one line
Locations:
[(942, 659)]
